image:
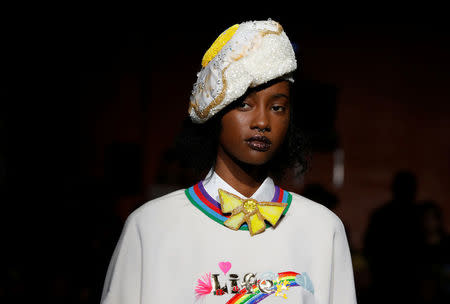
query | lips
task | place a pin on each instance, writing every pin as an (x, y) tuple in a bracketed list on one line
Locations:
[(259, 143)]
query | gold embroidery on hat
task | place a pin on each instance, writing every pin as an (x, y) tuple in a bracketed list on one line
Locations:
[(277, 32), (202, 114)]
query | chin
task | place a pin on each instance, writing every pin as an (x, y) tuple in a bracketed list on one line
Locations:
[(258, 159)]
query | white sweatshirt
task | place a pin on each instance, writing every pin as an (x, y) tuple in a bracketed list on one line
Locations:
[(173, 250)]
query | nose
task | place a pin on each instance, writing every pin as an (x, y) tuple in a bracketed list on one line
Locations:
[(260, 120)]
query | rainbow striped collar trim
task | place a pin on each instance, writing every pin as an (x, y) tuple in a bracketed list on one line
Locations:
[(210, 207)]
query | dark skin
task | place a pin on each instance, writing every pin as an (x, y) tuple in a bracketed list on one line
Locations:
[(252, 133)]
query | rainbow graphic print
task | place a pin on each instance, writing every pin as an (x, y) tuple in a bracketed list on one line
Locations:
[(284, 281), (255, 289), (210, 207)]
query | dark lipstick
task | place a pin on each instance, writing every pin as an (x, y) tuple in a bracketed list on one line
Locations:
[(259, 143)]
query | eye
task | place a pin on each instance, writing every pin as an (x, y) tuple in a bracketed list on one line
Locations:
[(243, 106), (277, 108)]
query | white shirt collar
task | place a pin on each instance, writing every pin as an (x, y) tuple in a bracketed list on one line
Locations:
[(213, 182)]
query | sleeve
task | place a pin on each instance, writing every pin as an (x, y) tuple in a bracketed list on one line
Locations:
[(123, 278), (342, 289)]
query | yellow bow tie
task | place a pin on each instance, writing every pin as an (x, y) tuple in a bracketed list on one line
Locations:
[(249, 211)]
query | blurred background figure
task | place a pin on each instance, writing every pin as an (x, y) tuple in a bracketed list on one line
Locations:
[(435, 255), (392, 246)]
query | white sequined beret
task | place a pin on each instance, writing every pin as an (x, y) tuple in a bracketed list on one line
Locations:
[(246, 55)]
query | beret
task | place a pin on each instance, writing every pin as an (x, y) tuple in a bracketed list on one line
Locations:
[(244, 56)]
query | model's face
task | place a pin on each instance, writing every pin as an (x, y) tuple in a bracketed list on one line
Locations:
[(253, 131)]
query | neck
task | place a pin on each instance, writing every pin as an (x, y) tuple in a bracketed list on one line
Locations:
[(244, 178)]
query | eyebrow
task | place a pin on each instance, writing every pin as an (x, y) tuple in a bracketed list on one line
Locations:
[(278, 95)]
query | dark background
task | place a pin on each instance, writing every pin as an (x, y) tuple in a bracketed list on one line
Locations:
[(91, 101)]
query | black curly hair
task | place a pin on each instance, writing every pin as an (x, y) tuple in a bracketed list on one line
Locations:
[(197, 144)]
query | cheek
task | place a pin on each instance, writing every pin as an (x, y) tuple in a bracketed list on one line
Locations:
[(233, 126), (282, 130), (227, 133), (225, 136)]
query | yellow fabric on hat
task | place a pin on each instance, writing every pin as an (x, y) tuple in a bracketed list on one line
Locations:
[(218, 44)]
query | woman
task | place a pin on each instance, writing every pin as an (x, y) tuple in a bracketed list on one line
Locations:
[(235, 237)]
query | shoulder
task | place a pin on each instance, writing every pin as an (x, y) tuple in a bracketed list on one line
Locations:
[(155, 208), (315, 214)]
